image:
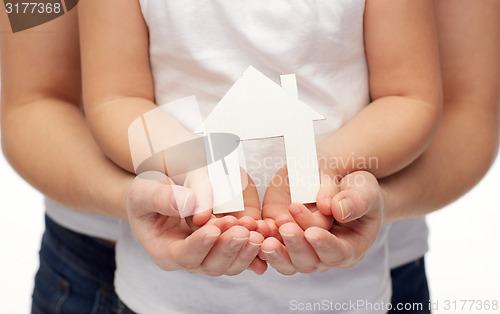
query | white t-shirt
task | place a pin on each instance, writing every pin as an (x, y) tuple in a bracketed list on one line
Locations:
[(201, 48), (98, 226), (407, 241)]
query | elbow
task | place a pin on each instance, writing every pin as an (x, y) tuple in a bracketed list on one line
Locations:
[(429, 113), (489, 151), (434, 101), (433, 104)]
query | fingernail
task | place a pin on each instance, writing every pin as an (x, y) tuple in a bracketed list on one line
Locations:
[(290, 238), (314, 241), (270, 253), (179, 201), (235, 242), (210, 238), (252, 246), (311, 238), (345, 208)]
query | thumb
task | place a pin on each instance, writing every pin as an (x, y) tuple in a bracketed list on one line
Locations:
[(148, 196), (359, 194)]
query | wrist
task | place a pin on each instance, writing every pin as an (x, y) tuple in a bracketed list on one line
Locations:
[(329, 166)]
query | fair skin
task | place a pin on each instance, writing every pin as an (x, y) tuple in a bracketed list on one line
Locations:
[(40, 96), (102, 187), (471, 74), (403, 43)]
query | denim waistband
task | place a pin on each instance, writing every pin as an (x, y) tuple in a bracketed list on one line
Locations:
[(90, 256)]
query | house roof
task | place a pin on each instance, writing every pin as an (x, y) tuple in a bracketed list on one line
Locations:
[(256, 107)]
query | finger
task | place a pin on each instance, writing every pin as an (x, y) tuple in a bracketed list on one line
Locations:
[(190, 252), (225, 251), (330, 250), (357, 236), (224, 222), (273, 229), (277, 196), (199, 182), (258, 266), (147, 197), (276, 255), (263, 228), (250, 199), (246, 255), (360, 193), (248, 222), (328, 188), (283, 219), (306, 219), (201, 217), (300, 251)]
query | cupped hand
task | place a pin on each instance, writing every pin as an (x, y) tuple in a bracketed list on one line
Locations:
[(250, 217), (358, 209), (276, 209), (216, 248), (199, 183)]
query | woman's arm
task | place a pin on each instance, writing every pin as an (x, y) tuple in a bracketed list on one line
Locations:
[(398, 124), (44, 134), (405, 86), (46, 139), (466, 142)]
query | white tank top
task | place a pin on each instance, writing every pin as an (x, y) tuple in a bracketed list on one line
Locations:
[(201, 47)]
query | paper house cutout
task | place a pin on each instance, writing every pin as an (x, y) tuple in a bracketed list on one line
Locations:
[(257, 108)]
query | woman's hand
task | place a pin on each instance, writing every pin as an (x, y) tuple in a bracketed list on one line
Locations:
[(344, 244), (216, 248)]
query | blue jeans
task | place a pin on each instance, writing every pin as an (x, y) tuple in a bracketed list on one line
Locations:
[(76, 274), (409, 287)]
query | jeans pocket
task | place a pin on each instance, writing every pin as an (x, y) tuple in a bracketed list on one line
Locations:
[(51, 290)]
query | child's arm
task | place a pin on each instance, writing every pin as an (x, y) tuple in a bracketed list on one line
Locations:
[(405, 87), (466, 143), (468, 132), (118, 84), (117, 80)]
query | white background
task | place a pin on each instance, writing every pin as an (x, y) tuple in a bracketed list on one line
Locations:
[(463, 262)]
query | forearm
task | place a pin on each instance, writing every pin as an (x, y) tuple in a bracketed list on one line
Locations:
[(117, 80), (384, 137), (454, 162), (404, 80), (49, 143), (44, 133), (467, 140), (110, 121)]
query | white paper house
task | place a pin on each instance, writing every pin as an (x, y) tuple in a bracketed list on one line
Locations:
[(256, 108)]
